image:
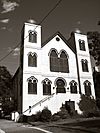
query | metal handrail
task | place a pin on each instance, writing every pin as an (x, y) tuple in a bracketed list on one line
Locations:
[(41, 101)]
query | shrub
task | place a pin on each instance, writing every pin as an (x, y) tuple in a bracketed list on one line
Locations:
[(63, 113), (87, 105), (22, 118), (31, 118), (55, 117), (38, 116), (98, 103), (46, 115)]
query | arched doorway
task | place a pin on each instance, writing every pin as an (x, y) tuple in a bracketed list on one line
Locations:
[(60, 86)]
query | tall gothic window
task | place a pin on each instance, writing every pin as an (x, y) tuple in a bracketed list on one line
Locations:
[(73, 87), (54, 61), (60, 86), (32, 36), (82, 45), (59, 64), (46, 87), (32, 60), (32, 85), (87, 87), (84, 65), (63, 62)]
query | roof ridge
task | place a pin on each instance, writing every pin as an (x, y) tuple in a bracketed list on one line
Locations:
[(62, 37)]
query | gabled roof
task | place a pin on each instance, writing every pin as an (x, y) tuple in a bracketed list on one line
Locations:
[(63, 38)]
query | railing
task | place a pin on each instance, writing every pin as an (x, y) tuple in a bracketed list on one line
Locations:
[(41, 101)]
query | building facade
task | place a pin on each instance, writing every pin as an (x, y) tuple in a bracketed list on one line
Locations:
[(52, 73)]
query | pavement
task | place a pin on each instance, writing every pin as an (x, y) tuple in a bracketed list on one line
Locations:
[(61, 126), (72, 125), (6, 125)]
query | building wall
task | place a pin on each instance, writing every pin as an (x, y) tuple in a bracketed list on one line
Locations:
[(84, 55), (42, 71), (16, 88), (54, 103)]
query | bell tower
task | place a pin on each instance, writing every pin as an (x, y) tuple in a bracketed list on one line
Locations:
[(84, 64), (32, 35), (30, 46)]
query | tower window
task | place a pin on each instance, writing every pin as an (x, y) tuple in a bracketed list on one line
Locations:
[(87, 87), (32, 85), (73, 87), (32, 36), (82, 45), (32, 60), (84, 65)]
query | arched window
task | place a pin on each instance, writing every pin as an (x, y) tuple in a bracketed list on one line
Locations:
[(87, 87), (32, 36), (46, 87), (32, 60), (63, 64), (84, 65), (82, 45), (60, 86), (32, 85), (59, 64), (53, 61), (73, 87)]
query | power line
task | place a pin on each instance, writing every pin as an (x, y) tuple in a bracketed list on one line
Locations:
[(55, 6), (51, 11)]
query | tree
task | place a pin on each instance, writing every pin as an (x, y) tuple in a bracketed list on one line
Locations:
[(5, 82), (6, 90), (46, 115), (7, 106), (94, 45), (87, 104), (99, 22)]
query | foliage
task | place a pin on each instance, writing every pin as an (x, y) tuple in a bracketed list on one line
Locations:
[(5, 82), (98, 103), (7, 106), (55, 117), (63, 113), (31, 118), (94, 45), (38, 116), (46, 115), (87, 105), (6, 90), (22, 118), (42, 116), (98, 22)]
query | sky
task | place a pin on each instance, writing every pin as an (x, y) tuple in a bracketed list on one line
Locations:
[(69, 16)]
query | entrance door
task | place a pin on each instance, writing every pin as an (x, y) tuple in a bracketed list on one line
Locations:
[(70, 106)]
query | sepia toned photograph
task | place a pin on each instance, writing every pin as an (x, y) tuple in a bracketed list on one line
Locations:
[(49, 66)]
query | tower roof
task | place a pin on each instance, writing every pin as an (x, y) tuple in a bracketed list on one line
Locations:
[(32, 21)]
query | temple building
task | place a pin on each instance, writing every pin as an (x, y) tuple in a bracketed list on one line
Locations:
[(53, 73)]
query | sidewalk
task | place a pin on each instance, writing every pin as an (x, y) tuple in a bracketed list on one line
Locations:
[(69, 124), (7, 124), (63, 121)]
